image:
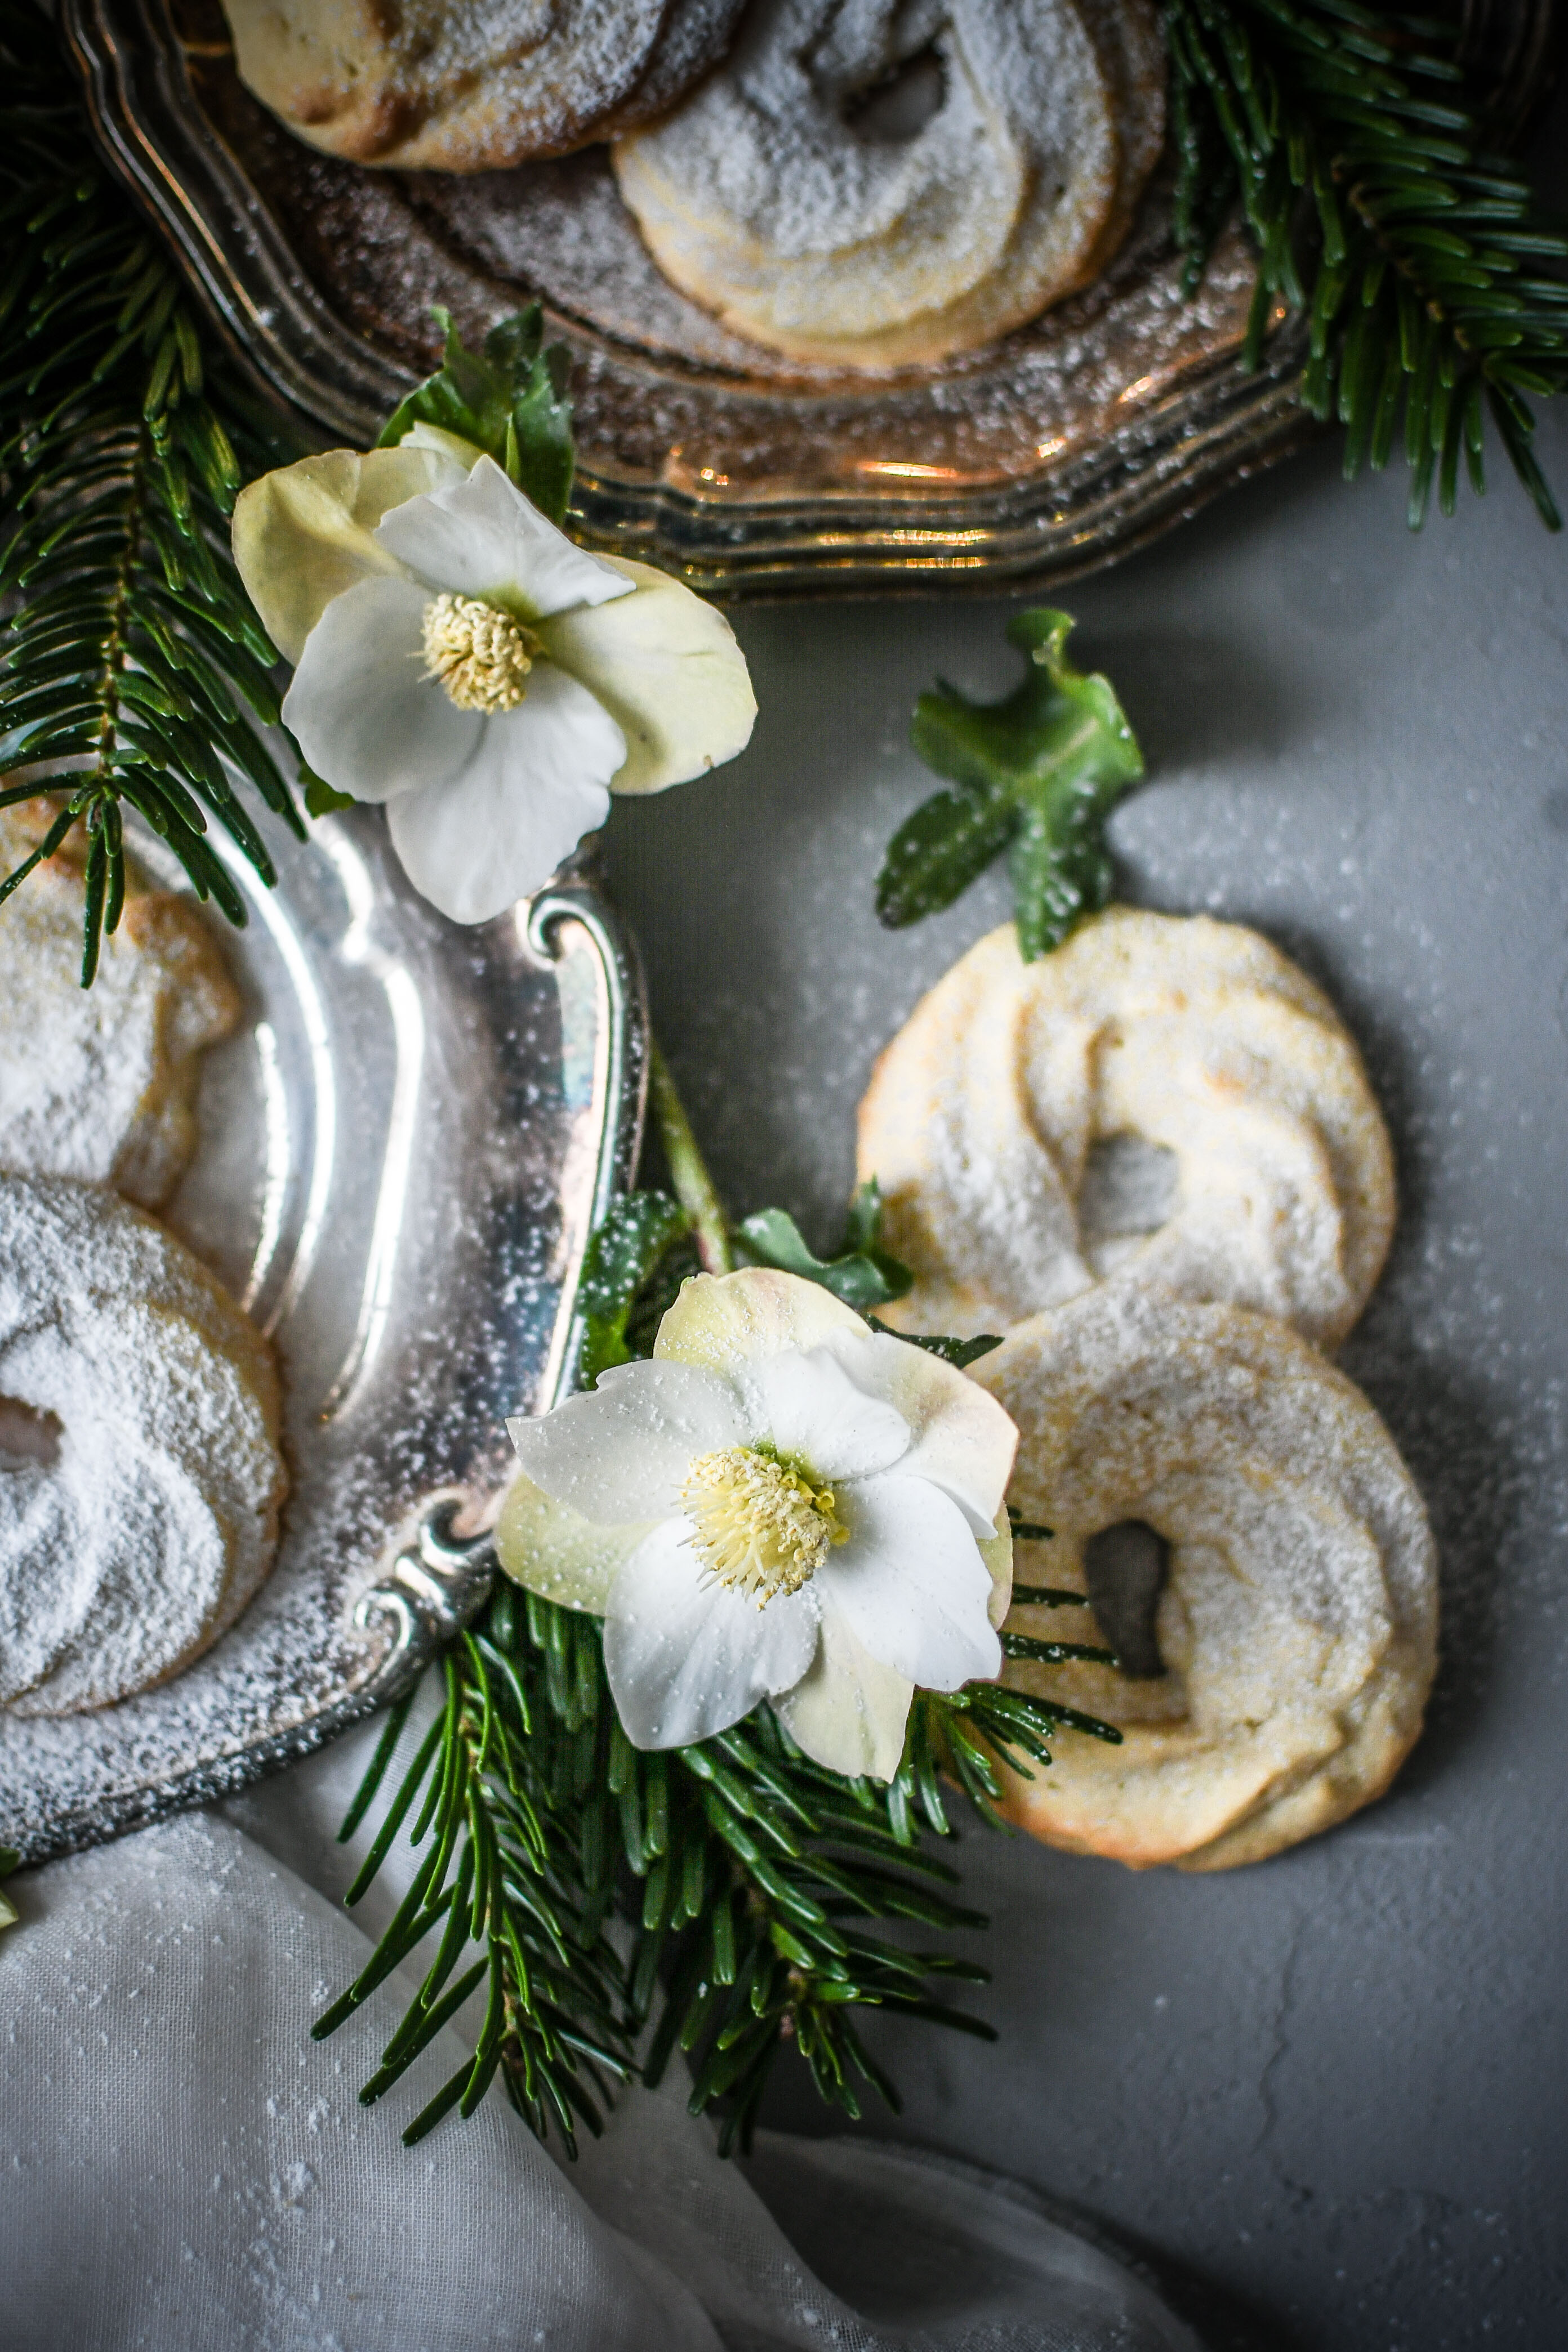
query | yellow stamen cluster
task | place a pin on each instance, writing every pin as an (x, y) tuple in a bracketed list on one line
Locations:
[(757, 1525), (481, 656)]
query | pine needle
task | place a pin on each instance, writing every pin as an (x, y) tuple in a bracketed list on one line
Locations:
[(133, 670), (1433, 285)]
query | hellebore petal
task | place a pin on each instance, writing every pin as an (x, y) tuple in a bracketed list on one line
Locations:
[(956, 1440), (911, 1582), (996, 1551), (731, 1321), (476, 841), (814, 1412), (686, 1657), (481, 536), (465, 455), (621, 1453), (361, 708), (667, 668), (556, 1551), (303, 533), (849, 1712)]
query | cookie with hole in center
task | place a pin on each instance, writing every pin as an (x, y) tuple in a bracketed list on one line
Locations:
[(884, 184), (1293, 1638), (1164, 1099)]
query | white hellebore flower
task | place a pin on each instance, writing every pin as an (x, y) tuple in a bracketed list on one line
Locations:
[(782, 1506), (458, 657)]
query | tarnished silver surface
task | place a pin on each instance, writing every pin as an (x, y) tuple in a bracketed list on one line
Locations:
[(403, 1153), (1073, 440), (1077, 438)]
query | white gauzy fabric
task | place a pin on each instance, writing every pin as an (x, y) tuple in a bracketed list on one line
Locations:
[(182, 2168)]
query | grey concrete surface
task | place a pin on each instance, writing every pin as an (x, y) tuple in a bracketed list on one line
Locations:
[(1330, 2088)]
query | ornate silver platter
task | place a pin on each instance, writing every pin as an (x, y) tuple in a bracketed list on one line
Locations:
[(403, 1153), (1073, 440)]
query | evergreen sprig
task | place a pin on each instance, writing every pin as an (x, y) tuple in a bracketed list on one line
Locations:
[(755, 1882), (133, 665), (1431, 280)]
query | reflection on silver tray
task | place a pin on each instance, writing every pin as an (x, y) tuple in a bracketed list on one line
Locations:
[(1072, 440), (403, 1153)]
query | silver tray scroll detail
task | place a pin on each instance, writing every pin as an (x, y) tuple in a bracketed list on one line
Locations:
[(403, 1153)]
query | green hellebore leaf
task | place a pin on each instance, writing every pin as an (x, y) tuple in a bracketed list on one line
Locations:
[(322, 798), (509, 400), (862, 1274), (960, 1353), (9, 1858), (622, 1256), (1039, 772)]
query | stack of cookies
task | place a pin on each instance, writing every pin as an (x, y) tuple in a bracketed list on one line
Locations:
[(141, 1476), (1152, 1161), (867, 185)]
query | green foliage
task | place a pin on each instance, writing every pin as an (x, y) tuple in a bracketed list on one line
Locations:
[(623, 1257), (644, 1250), (322, 798), (9, 1858), (1379, 209), (509, 400), (133, 665), (753, 1881), (860, 1273), (960, 1353), (509, 1800), (1036, 774)]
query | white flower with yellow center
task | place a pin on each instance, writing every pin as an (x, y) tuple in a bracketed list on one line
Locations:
[(782, 1506), (460, 659)]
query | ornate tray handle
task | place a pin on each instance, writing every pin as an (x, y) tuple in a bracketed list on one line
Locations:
[(438, 1581), (438, 1584)]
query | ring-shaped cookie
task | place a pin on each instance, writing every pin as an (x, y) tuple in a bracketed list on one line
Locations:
[(100, 1082), (129, 1553), (767, 200), (1164, 1098), (1297, 1622), (428, 84)]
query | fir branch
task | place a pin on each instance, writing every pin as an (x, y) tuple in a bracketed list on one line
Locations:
[(755, 1882), (132, 653), (508, 1791), (1432, 283)]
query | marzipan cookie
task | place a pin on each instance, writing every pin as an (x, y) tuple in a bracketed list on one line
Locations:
[(471, 85), (1164, 1098), (1298, 1621), (100, 1082), (787, 196)]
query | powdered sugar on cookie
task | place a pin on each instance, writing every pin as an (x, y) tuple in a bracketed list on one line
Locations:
[(1298, 1623), (99, 1082), (1164, 1098), (789, 197), (127, 1555)]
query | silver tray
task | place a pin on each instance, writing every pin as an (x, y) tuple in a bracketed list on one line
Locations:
[(403, 1152), (1075, 438)]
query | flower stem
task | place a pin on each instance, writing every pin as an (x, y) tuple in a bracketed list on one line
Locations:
[(687, 1169)]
